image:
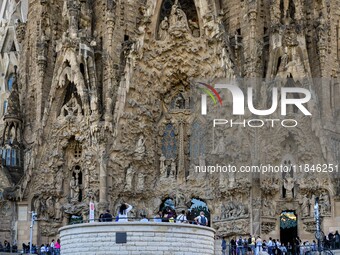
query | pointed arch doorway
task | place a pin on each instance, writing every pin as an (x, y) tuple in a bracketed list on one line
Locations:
[(288, 227)]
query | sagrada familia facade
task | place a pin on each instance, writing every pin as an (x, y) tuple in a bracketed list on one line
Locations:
[(99, 109)]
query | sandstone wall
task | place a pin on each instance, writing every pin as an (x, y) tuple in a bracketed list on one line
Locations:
[(142, 238)]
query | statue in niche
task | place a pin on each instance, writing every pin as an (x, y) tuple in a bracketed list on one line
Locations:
[(58, 210), (163, 29), (195, 30), (305, 206), (71, 108), (288, 10), (179, 102), (162, 166), (180, 200), (325, 203), (290, 38), (173, 168), (288, 184), (140, 147), (283, 65), (129, 178), (178, 21), (74, 189), (285, 7)]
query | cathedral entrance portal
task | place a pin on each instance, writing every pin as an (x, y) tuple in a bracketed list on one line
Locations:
[(288, 227)]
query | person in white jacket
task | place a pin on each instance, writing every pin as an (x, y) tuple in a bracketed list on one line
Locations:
[(123, 212)]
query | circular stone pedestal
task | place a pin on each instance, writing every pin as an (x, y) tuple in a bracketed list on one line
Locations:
[(136, 238)]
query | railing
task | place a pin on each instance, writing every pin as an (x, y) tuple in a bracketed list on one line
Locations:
[(309, 249), (136, 219)]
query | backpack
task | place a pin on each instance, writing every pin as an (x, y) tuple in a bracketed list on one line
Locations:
[(337, 238), (203, 220), (239, 242)]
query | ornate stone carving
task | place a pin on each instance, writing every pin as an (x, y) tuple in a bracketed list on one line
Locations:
[(120, 85), (309, 225), (305, 207), (288, 184), (178, 23), (233, 210), (269, 207), (325, 206), (140, 148), (130, 172), (232, 228), (267, 227)]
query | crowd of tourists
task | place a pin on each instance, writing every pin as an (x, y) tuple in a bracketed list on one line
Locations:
[(165, 215), (44, 249), (257, 246), (6, 247)]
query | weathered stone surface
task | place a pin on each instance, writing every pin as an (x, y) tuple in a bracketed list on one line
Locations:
[(142, 238), (104, 87)]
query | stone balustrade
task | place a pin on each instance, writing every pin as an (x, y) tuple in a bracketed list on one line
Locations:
[(125, 238)]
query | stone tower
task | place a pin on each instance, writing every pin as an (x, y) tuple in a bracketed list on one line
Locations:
[(106, 111)]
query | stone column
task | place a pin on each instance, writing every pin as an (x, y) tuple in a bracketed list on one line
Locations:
[(42, 63), (181, 166), (252, 15), (109, 74), (103, 176), (73, 21)]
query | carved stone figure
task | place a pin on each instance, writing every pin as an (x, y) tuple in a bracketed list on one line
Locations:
[(58, 210), (50, 207), (195, 30), (74, 189), (178, 21), (140, 147), (305, 206), (325, 206), (288, 184), (233, 210), (71, 108), (163, 29), (179, 102), (37, 206), (162, 166), (173, 168), (129, 178)]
